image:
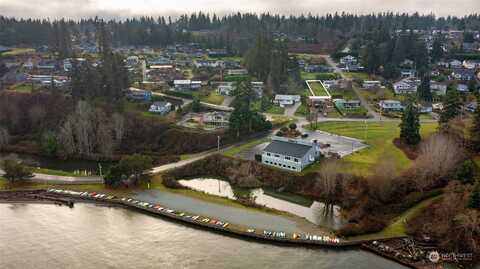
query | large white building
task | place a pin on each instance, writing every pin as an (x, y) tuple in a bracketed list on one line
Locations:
[(290, 154)]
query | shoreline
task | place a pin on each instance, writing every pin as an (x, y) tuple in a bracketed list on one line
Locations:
[(68, 198)]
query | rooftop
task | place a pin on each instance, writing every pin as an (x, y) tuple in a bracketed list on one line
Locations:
[(288, 148)]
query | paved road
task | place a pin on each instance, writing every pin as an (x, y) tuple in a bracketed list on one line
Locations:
[(355, 89), (53, 179)]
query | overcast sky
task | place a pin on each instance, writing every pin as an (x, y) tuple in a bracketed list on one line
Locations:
[(128, 8)]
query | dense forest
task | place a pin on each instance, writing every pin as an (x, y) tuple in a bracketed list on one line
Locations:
[(163, 31)]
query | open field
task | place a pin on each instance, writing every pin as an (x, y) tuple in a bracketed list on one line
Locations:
[(22, 88), (213, 98), (357, 75), (17, 51), (317, 88), (379, 137), (235, 150)]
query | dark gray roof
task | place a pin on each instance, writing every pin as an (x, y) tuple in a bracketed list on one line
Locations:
[(287, 148)]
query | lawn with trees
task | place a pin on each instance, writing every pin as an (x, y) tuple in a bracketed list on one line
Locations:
[(379, 137)]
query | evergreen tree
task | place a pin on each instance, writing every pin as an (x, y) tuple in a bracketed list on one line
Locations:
[(410, 125), (474, 201), (437, 50), (451, 106), (424, 91), (475, 129)]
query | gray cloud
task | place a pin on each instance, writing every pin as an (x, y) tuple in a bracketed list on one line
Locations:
[(124, 8)]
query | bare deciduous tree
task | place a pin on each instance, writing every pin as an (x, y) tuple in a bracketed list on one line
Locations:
[(469, 224), (439, 154), (381, 183), (326, 180)]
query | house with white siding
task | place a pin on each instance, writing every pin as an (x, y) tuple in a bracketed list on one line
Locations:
[(290, 154)]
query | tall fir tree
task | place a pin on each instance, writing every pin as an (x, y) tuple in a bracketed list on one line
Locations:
[(424, 91), (410, 125), (451, 106)]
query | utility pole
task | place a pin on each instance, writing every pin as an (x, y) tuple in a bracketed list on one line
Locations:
[(218, 143)]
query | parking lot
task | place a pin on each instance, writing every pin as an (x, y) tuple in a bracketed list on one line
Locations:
[(332, 145)]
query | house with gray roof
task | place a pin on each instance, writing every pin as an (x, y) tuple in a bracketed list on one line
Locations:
[(290, 154)]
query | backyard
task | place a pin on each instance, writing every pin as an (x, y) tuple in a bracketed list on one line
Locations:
[(317, 88), (379, 137)]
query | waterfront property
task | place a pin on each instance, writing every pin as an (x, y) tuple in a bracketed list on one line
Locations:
[(290, 154)]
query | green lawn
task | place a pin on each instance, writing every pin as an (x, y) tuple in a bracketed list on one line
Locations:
[(55, 172), (357, 75), (301, 110), (318, 89), (22, 87), (213, 98), (237, 149), (379, 137), (276, 110), (18, 51)]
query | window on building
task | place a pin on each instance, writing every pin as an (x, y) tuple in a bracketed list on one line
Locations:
[(268, 154), (295, 160), (287, 158), (277, 156)]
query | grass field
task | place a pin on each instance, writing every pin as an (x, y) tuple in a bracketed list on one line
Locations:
[(357, 75), (276, 110), (55, 172), (22, 88), (301, 110), (213, 98), (18, 51), (235, 150), (318, 89), (379, 137)]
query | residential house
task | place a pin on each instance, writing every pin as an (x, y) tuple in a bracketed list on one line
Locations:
[(438, 88), (290, 154), (257, 87), (138, 94), (216, 119), (371, 84), (455, 64), (390, 106), (462, 88), (471, 64), (160, 107), (217, 53), (343, 104), (237, 72), (406, 86), (286, 100), (226, 88), (330, 83), (184, 85), (208, 64), (463, 74), (348, 60), (408, 73), (132, 61)]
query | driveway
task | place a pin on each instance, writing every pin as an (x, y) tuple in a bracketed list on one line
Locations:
[(355, 89), (290, 110)]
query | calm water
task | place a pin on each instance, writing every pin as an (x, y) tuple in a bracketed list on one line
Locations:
[(315, 213), (47, 236)]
